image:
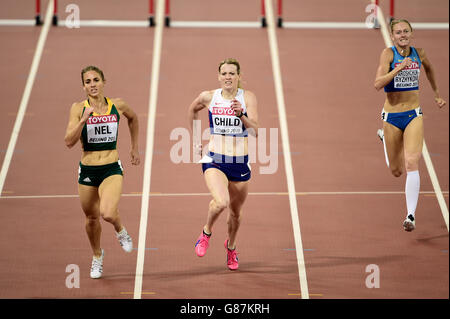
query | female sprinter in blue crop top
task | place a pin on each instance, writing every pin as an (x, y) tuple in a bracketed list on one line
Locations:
[(402, 133), (95, 122), (232, 116)]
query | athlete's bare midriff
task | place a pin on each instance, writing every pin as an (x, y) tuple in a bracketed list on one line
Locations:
[(228, 145), (401, 101), (99, 157)]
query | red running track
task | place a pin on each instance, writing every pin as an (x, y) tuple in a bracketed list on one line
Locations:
[(333, 115)]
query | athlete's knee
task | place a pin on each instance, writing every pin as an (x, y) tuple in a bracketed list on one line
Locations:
[(396, 171), (235, 214), (92, 220), (109, 218), (412, 161), (221, 203), (109, 215)]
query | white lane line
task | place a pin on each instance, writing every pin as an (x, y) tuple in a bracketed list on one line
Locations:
[(224, 24), (356, 25), (435, 182), (17, 22), (157, 43), (26, 94), (430, 25), (426, 155), (209, 194), (286, 148), (215, 24), (111, 23)]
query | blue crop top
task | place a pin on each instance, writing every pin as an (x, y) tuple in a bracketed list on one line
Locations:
[(408, 78)]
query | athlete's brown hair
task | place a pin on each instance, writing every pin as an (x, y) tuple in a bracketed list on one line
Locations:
[(91, 68)]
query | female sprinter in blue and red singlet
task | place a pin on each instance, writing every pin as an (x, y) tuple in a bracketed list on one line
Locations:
[(232, 116), (95, 122), (402, 133)]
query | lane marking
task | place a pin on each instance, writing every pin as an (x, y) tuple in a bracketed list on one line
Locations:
[(143, 293), (157, 43), (224, 24), (313, 295), (435, 182), (26, 94), (286, 147), (425, 193), (215, 24), (426, 155), (358, 25), (18, 22)]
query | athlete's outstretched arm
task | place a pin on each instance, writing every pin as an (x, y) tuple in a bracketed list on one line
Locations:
[(133, 126), (429, 71)]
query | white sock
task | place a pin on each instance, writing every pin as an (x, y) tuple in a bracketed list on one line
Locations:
[(412, 188)]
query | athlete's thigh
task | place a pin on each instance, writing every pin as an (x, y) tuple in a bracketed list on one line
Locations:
[(393, 138), (413, 137), (110, 191), (238, 193), (217, 183), (89, 200)]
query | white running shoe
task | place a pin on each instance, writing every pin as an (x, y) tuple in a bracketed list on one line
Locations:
[(125, 240), (97, 266), (410, 223), (380, 134)]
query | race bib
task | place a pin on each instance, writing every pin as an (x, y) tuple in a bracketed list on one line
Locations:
[(225, 121), (408, 77), (102, 129)]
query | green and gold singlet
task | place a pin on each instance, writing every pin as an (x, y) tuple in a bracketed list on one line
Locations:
[(101, 130)]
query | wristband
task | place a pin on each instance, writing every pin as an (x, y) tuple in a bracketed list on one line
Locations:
[(239, 116)]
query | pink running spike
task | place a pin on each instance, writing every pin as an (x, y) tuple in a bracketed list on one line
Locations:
[(232, 259), (202, 245)]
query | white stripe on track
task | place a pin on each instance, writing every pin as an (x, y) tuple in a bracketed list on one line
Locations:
[(286, 148), (224, 24), (157, 43), (215, 24), (26, 94), (435, 182), (17, 22), (426, 155), (209, 194)]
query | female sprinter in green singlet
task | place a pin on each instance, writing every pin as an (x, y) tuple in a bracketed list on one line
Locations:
[(95, 122)]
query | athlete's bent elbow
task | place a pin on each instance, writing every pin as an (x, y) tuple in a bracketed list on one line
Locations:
[(69, 143), (253, 131)]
